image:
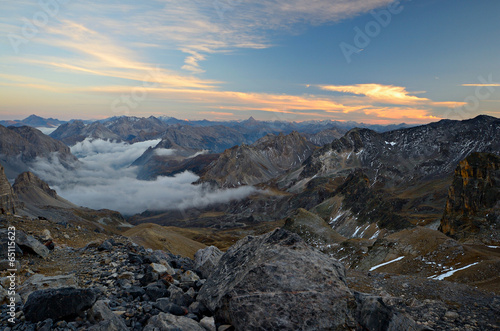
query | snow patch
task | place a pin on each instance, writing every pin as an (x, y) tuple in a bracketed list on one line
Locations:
[(386, 263), (375, 235), (335, 219), (451, 272)]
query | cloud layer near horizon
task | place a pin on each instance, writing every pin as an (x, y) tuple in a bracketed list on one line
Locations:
[(105, 181)]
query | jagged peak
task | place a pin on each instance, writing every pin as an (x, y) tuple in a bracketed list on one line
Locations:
[(28, 179)]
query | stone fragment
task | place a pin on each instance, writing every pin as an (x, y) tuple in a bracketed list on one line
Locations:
[(58, 303)]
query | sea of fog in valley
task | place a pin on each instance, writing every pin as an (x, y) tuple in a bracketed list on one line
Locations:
[(104, 179)]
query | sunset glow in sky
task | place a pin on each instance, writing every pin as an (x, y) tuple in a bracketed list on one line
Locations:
[(372, 61)]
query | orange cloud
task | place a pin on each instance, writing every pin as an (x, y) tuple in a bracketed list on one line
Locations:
[(215, 113), (482, 85), (388, 94)]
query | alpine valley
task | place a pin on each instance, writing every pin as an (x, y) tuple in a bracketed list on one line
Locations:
[(153, 223)]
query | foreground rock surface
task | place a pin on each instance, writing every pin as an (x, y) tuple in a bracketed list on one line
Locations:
[(268, 282), (278, 282), (207, 259)]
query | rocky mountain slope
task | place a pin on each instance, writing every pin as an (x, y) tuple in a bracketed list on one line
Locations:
[(168, 158), (21, 146), (418, 153), (473, 207), (213, 138), (135, 129), (325, 137), (33, 192), (260, 162), (76, 131)]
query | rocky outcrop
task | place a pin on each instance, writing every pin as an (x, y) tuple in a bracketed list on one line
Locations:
[(27, 180), (473, 206), (7, 195), (260, 162), (276, 281), (33, 191)]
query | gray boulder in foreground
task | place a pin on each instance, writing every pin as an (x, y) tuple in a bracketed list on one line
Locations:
[(169, 322), (277, 282), (30, 244)]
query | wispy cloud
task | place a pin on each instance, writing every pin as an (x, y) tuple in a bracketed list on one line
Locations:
[(103, 56), (482, 85), (388, 94)]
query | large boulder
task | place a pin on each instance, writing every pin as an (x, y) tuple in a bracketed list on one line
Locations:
[(58, 304), (206, 260), (276, 281), (169, 322)]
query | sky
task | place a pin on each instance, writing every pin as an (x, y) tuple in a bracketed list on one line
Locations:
[(371, 61)]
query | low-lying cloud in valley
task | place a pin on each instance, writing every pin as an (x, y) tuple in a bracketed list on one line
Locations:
[(104, 180)]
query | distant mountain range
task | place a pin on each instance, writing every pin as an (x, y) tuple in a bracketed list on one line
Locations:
[(130, 128), (34, 121)]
